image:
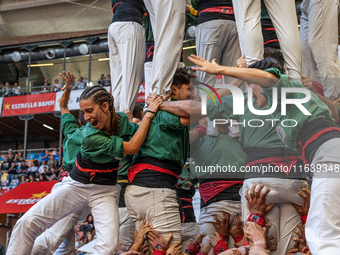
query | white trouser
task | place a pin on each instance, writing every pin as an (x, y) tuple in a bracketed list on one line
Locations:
[(59, 239), (127, 53), (167, 21), (217, 39), (319, 44), (157, 206), (283, 217), (148, 78), (189, 230), (283, 16), (217, 208), (126, 227), (323, 221), (70, 197)]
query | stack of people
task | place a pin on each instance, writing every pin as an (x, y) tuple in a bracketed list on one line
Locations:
[(268, 186)]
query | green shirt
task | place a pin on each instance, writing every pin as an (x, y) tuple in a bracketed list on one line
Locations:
[(221, 151), (250, 137), (100, 147), (124, 165), (188, 182), (167, 139), (338, 113), (315, 106), (72, 141), (264, 11)]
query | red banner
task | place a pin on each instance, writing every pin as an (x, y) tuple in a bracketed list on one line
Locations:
[(29, 104), (24, 196)]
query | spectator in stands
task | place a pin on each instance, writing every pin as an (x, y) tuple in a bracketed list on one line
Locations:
[(81, 84), (52, 162), (80, 233), (43, 165), (18, 157), (108, 80), (32, 168), (6, 164), (24, 167), (23, 179), (102, 80), (88, 238), (42, 178), (6, 91), (55, 153), (31, 177), (53, 177), (16, 89), (12, 172), (87, 224), (56, 86), (45, 86), (10, 155), (45, 156)]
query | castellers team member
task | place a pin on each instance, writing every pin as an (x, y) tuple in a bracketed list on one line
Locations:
[(93, 179), (59, 239), (316, 136), (219, 190), (126, 45), (151, 194), (263, 147)]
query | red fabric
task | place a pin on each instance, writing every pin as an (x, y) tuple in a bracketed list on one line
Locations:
[(150, 51), (193, 248), (304, 219), (277, 161), (24, 196), (221, 246), (186, 199), (135, 169), (237, 239), (113, 8), (201, 130), (245, 243), (211, 189), (313, 138), (270, 41), (159, 252), (318, 88), (258, 218), (221, 9), (28, 104), (94, 171), (269, 29)]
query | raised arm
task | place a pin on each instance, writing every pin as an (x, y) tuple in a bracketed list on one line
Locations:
[(250, 75), (133, 146), (69, 83)]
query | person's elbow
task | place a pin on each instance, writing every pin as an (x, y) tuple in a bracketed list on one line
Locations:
[(130, 148), (185, 121)]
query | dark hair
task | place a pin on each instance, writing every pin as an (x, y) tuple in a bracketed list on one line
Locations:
[(137, 112), (266, 64), (181, 77), (81, 119), (99, 95), (277, 55)]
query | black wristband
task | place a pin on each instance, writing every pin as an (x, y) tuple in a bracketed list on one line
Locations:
[(150, 112)]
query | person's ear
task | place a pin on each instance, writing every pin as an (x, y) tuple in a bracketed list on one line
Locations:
[(174, 90), (105, 107)]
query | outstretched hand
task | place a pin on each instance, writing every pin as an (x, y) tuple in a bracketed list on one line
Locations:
[(222, 226), (257, 201), (155, 103), (303, 210), (155, 238), (139, 239), (69, 79), (204, 66)]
